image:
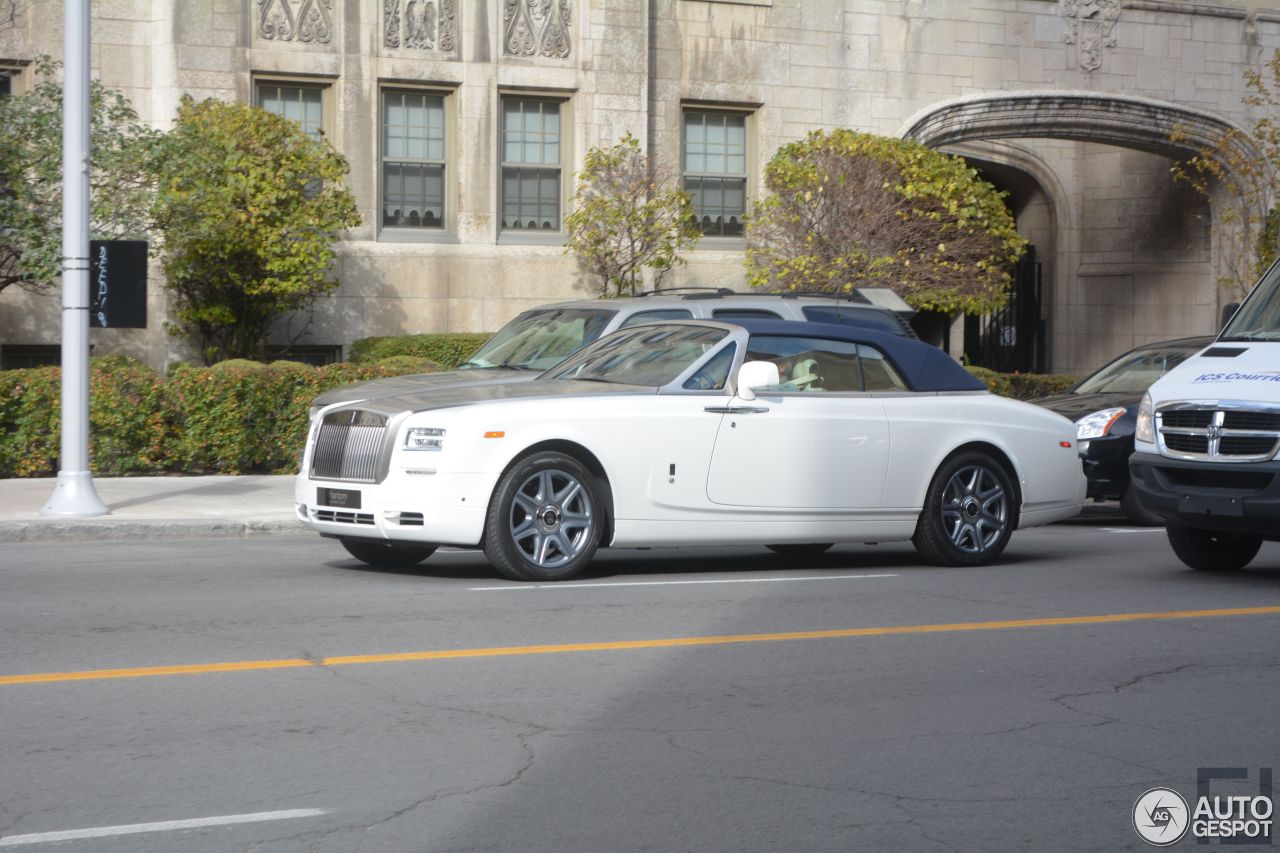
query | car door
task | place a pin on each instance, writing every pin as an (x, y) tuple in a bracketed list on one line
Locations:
[(816, 441)]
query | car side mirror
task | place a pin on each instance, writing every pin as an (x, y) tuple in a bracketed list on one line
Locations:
[(1228, 311), (756, 374)]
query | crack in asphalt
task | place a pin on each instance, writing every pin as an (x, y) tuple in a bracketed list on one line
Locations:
[(524, 737)]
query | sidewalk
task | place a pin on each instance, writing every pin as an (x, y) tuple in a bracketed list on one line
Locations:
[(154, 507)]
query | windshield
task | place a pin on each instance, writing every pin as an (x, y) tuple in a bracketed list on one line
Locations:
[(1259, 317), (1134, 372), (646, 355), (540, 339)]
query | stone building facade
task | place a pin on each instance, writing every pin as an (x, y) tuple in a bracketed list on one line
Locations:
[(464, 121)]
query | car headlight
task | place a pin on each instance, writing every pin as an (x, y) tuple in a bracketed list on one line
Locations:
[(424, 438), (1097, 424), (1145, 430)]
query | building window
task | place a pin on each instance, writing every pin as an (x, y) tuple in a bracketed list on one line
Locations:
[(19, 356), (6, 85), (314, 355), (413, 160), (303, 104), (531, 169), (715, 170)]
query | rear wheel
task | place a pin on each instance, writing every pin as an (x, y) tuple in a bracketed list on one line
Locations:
[(1211, 551), (968, 512), (377, 553), (544, 520), (805, 549)]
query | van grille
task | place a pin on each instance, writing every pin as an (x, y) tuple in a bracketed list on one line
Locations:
[(1223, 432), (348, 446)]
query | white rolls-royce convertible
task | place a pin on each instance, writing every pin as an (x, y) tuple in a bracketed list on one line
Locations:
[(793, 436)]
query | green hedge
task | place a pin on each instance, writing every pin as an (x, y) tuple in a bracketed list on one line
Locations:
[(1025, 386), (237, 417), (447, 350), (130, 423)]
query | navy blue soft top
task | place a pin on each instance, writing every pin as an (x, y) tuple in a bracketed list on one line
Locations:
[(925, 367)]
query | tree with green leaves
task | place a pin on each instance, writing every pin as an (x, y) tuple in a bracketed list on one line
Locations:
[(628, 217), (1239, 173), (120, 177), (848, 209), (249, 206)]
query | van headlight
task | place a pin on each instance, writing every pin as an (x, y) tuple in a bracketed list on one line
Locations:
[(1098, 424), (1145, 430), (424, 438)]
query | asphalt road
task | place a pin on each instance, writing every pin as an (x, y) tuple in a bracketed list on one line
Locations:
[(727, 700)]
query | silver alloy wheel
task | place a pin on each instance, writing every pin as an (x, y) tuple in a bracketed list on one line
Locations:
[(551, 518), (975, 509)]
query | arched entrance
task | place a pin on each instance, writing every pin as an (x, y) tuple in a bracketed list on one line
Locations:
[(1123, 255)]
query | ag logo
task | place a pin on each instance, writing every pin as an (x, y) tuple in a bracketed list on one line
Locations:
[(1160, 817)]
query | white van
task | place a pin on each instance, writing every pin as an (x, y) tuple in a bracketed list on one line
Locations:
[(1207, 444)]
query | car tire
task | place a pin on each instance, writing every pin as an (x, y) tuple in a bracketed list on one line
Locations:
[(805, 549), (1212, 551), (545, 519), (1134, 512), (377, 553), (968, 513)]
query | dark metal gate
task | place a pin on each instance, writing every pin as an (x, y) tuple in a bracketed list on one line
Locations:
[(1012, 339)]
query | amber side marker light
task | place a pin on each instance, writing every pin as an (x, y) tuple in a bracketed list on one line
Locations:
[(495, 434)]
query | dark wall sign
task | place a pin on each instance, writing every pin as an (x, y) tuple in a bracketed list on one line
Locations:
[(118, 284)]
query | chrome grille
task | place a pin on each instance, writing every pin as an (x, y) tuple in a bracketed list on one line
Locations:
[(339, 517), (1228, 431), (348, 446)]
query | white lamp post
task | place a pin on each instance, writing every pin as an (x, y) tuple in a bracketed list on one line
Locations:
[(74, 495)]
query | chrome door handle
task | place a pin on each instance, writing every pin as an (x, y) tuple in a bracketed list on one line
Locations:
[(736, 410)]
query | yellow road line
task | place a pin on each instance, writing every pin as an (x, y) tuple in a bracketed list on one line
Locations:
[(507, 651)]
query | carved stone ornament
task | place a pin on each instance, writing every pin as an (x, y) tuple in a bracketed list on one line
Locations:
[(1091, 22), (296, 20), (420, 24), (537, 28)]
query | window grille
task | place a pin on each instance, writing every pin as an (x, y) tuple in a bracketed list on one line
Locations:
[(715, 170), (531, 164), (413, 160)]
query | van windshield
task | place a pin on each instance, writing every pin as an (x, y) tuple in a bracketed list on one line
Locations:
[(1259, 317), (537, 340)]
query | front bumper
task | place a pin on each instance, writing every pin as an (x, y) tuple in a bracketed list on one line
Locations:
[(1106, 465), (1236, 498), (442, 509)]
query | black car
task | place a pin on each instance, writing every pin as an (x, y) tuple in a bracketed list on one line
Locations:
[(1105, 407)]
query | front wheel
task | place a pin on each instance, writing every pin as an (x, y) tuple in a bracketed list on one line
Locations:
[(377, 553), (1211, 551), (968, 513), (544, 520)]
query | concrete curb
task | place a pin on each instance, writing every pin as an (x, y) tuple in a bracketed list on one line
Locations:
[(91, 530)]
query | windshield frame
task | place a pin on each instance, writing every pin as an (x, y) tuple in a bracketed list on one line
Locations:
[(1258, 318), (1115, 368), (598, 348), (529, 328)]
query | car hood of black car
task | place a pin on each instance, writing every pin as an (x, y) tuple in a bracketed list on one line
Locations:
[(1076, 406), (469, 395), (397, 386)]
